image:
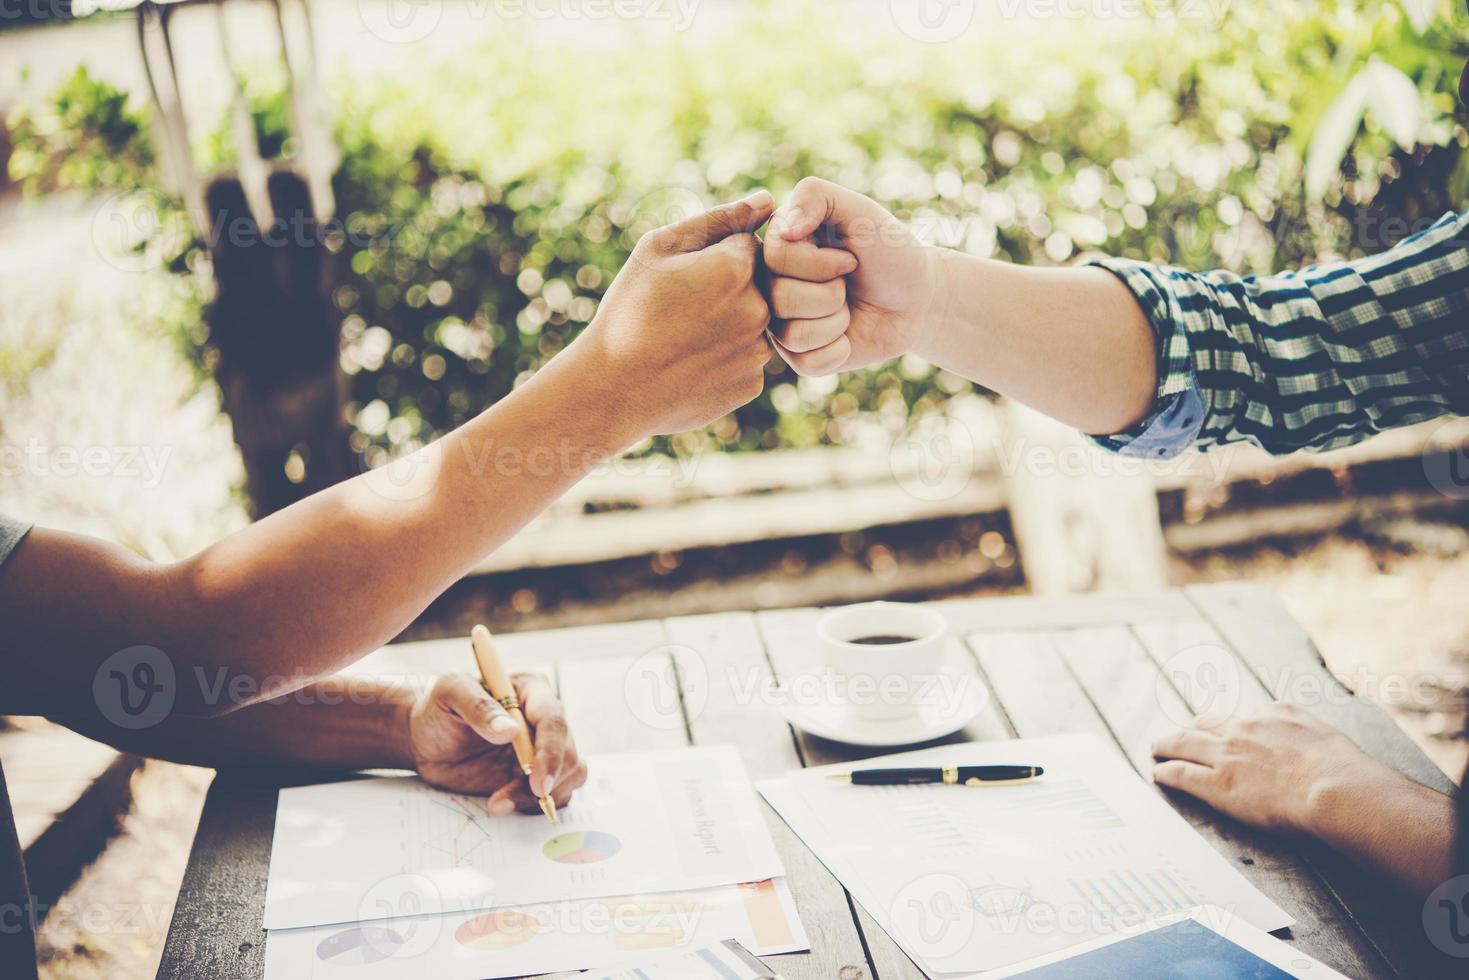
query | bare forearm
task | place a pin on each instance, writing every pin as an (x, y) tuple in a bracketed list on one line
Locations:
[(311, 588), (319, 584), (1389, 824), (333, 724), (1071, 343)]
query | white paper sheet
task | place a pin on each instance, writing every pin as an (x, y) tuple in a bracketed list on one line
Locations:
[(608, 933), (717, 961), (378, 848), (1208, 931), (967, 880)]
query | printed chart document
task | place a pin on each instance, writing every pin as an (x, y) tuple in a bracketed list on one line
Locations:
[(974, 879), (606, 933), (370, 849), (1208, 942), (719, 961)]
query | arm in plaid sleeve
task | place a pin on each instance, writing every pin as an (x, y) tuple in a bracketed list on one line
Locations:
[(1307, 360)]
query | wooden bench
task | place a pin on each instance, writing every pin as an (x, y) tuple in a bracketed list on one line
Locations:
[(1099, 664)]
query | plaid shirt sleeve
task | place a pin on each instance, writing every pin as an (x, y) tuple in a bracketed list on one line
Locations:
[(1306, 360)]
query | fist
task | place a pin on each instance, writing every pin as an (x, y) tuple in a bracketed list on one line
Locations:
[(850, 285), (683, 325)]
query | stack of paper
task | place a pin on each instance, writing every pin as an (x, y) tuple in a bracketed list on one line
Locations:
[(658, 851), (973, 879)]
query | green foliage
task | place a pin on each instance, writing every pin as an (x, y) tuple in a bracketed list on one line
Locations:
[(487, 201), (85, 137)]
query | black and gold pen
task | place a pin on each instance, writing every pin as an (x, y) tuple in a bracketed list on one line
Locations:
[(948, 775)]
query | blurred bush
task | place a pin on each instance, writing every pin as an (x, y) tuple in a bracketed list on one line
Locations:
[(486, 202)]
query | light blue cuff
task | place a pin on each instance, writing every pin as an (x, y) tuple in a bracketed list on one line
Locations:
[(1171, 429)]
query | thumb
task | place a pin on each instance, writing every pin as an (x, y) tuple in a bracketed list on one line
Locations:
[(468, 699), (816, 202), (717, 224)]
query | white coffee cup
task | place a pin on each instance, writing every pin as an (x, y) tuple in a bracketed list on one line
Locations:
[(883, 681)]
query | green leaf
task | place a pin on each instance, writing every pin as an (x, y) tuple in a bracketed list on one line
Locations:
[(1334, 134), (1421, 13), (1393, 100)]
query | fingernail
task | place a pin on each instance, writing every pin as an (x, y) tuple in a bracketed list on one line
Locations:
[(851, 264), (504, 726), (547, 785), (759, 198), (501, 808), (787, 218)]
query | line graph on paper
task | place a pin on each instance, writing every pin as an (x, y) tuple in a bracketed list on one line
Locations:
[(448, 831)]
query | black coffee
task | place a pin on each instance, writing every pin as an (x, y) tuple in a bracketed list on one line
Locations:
[(883, 639)]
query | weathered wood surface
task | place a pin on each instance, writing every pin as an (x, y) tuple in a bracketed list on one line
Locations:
[(1126, 669)]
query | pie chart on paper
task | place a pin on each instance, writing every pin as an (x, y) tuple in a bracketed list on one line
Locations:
[(360, 944), (504, 929), (581, 847)]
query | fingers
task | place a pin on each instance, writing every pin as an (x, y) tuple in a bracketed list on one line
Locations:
[(718, 223), (794, 299), (1190, 745), (824, 360), (803, 336), (466, 698), (552, 736), (517, 795), (810, 205), (804, 259), (1187, 777)]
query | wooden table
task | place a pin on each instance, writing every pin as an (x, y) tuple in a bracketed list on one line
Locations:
[(1096, 664)]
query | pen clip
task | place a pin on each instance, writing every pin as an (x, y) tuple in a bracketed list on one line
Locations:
[(976, 781)]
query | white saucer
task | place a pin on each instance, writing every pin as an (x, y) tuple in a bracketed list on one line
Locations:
[(836, 721)]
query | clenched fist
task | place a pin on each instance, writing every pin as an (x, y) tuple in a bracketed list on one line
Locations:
[(850, 284), (682, 327)]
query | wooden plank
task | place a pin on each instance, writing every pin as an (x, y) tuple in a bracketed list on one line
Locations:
[(607, 535), (1081, 523), (790, 640), (1009, 613), (216, 932), (1282, 658), (727, 686), (626, 703), (521, 650), (1110, 687)]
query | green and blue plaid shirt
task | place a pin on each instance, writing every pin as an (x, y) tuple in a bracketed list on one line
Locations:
[(1306, 360)]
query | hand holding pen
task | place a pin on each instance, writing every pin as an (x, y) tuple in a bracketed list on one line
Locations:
[(460, 739)]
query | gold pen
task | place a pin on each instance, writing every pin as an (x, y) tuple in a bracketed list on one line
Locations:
[(497, 682)]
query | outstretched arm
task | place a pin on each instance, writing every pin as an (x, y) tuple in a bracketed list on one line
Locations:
[(451, 732), (678, 341), (1130, 351), (1286, 771)]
